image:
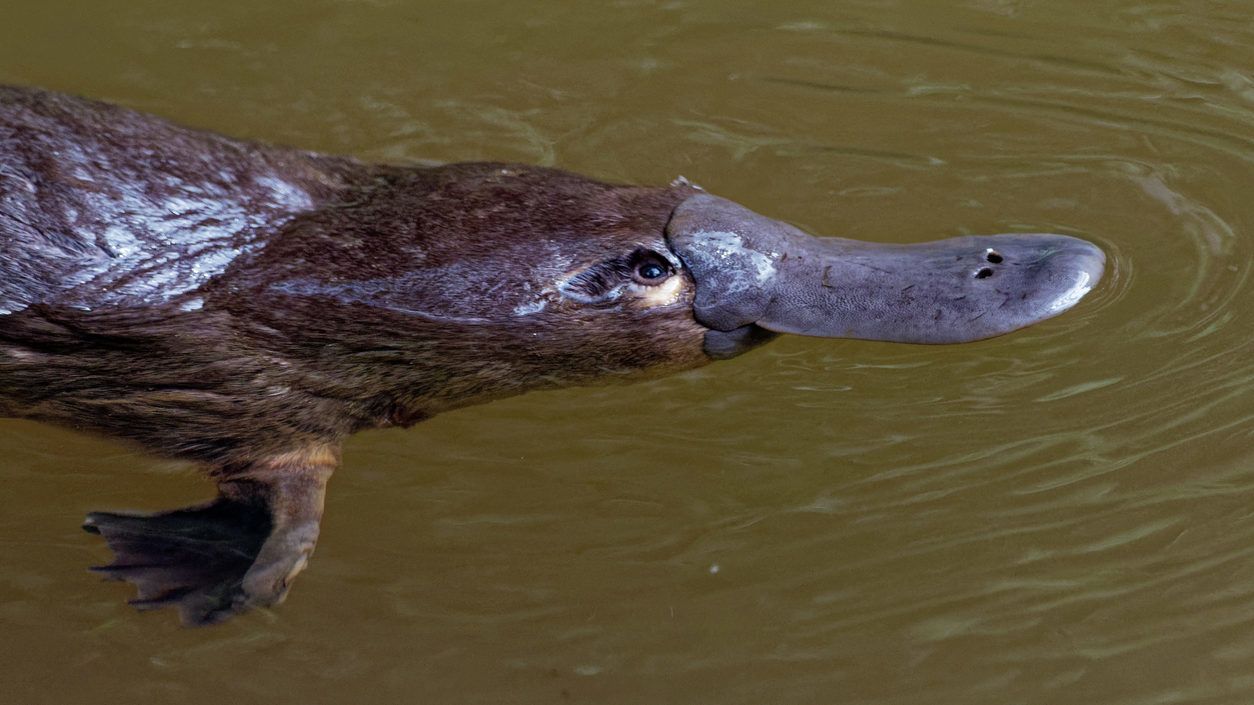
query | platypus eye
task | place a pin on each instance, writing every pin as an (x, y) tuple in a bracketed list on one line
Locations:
[(650, 269), (606, 281)]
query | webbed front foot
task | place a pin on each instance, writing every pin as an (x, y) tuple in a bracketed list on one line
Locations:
[(216, 560)]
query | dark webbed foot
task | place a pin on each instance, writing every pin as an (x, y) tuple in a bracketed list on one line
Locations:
[(215, 560), (195, 558)]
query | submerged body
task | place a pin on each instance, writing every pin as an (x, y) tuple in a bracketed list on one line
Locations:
[(248, 307)]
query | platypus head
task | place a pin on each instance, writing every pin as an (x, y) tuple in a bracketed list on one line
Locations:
[(745, 278), (502, 278)]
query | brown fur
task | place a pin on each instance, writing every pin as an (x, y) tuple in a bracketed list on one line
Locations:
[(279, 357), (248, 307)]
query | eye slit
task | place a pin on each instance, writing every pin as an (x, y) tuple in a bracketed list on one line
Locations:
[(650, 268)]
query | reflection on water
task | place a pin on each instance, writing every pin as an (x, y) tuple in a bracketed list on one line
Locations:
[(1060, 515)]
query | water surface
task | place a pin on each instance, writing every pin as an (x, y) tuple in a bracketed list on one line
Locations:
[(1062, 515)]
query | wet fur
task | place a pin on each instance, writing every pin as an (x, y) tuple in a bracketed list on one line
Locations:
[(354, 311)]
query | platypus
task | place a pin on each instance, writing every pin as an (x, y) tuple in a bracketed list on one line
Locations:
[(247, 307)]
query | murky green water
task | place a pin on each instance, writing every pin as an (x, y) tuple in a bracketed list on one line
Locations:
[(1064, 515)]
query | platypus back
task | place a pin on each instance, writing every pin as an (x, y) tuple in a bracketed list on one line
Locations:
[(101, 205)]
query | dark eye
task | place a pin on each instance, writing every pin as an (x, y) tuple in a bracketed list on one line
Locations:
[(651, 271)]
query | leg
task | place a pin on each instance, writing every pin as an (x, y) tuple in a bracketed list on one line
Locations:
[(239, 551), (294, 498)]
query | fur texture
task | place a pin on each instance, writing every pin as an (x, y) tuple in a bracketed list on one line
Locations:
[(226, 302)]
